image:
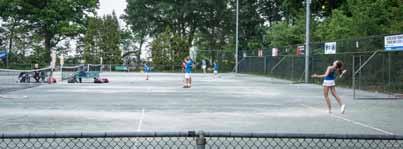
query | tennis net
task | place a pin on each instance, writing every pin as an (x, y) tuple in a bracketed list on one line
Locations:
[(82, 71), (13, 80)]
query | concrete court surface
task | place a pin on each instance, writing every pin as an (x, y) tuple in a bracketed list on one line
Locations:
[(233, 102)]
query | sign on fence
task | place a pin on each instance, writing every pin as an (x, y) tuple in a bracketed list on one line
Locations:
[(260, 53), (300, 50), (330, 48), (394, 43), (274, 52)]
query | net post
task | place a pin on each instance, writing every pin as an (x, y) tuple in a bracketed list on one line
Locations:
[(201, 141), (61, 73)]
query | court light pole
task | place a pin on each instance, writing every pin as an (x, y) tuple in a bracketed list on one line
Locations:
[(307, 38), (237, 36)]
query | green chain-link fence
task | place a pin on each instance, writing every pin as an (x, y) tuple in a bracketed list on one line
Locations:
[(372, 72), (200, 140)]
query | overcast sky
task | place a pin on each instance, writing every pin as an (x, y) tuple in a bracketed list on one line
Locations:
[(108, 6)]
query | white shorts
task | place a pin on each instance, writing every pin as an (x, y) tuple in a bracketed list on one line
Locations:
[(187, 75), (329, 83), (204, 67), (215, 72)]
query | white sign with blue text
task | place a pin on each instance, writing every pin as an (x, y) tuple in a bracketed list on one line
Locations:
[(394, 43)]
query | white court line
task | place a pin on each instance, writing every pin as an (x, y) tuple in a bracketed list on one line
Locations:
[(13, 97), (139, 126), (352, 121), (140, 121)]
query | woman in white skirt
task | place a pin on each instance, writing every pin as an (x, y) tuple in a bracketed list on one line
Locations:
[(329, 84)]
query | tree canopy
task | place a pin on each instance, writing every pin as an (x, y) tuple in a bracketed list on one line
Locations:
[(180, 25)]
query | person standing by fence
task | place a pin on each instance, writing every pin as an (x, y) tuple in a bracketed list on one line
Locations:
[(147, 70), (188, 71), (204, 66), (329, 84)]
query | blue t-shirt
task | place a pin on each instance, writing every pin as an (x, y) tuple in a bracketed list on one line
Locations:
[(188, 67), (216, 67)]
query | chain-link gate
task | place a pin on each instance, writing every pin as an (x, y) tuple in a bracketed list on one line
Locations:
[(378, 75)]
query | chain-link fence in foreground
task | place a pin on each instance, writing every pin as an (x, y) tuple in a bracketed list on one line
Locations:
[(200, 140)]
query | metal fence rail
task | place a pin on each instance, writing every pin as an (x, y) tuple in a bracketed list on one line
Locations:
[(199, 140)]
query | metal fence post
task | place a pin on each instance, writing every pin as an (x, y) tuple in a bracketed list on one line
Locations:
[(201, 141), (249, 65), (265, 65), (353, 83), (292, 67), (359, 74), (389, 69)]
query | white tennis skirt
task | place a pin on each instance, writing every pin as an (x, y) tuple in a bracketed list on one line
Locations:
[(329, 83), (187, 75)]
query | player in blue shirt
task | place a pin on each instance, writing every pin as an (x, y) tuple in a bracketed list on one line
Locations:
[(188, 72), (329, 83), (147, 70), (215, 67)]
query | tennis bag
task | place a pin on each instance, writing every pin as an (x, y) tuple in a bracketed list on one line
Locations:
[(105, 80), (96, 80), (72, 80)]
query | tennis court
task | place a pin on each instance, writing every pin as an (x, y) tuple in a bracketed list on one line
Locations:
[(233, 102)]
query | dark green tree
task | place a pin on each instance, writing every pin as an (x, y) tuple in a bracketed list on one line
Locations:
[(53, 20), (103, 39)]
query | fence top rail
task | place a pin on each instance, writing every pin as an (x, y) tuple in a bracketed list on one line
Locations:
[(320, 54), (303, 135), (196, 134), (96, 135)]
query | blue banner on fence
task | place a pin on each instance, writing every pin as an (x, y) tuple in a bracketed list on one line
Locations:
[(3, 54), (394, 43)]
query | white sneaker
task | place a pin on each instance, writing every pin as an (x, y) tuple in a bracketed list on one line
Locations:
[(342, 109)]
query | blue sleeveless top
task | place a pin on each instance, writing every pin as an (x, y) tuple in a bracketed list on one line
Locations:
[(331, 76), (146, 68)]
